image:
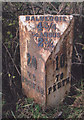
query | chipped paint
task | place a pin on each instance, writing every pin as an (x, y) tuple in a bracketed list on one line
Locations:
[(30, 27)]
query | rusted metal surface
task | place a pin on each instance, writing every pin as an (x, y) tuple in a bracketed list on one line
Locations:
[(46, 51)]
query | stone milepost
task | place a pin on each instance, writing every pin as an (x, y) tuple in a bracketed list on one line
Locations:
[(46, 44)]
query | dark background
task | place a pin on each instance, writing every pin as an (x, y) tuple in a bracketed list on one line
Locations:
[(11, 78)]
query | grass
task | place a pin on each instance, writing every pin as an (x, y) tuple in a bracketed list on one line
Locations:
[(27, 108)]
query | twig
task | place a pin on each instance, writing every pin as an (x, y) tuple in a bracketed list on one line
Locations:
[(13, 115), (74, 77), (33, 8), (11, 59), (63, 6), (77, 53), (78, 63), (15, 50), (16, 35), (53, 6), (80, 44), (78, 15), (44, 8), (38, 5)]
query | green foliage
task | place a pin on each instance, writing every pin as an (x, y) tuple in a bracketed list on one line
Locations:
[(3, 102), (80, 36), (82, 48), (69, 111), (29, 100), (36, 111), (13, 77), (11, 36), (13, 115), (8, 32), (9, 44), (76, 112), (10, 23), (9, 75), (17, 107)]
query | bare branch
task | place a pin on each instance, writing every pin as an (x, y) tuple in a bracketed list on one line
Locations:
[(77, 53), (33, 8), (80, 44), (61, 8), (78, 15), (78, 63), (16, 35), (53, 6), (44, 8), (16, 49), (11, 59)]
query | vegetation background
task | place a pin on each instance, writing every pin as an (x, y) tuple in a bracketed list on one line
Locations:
[(15, 104)]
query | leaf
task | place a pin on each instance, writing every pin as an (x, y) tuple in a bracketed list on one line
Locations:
[(17, 106), (10, 24), (13, 115), (6, 40), (13, 21), (80, 36), (82, 48), (9, 74), (26, 105), (8, 32), (3, 102), (11, 36), (13, 76), (9, 45)]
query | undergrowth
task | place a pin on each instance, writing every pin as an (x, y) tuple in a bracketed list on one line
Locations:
[(71, 107)]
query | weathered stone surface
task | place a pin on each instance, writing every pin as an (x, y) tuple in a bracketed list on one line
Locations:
[(46, 43)]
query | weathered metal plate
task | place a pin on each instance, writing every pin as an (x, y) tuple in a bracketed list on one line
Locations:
[(46, 50)]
